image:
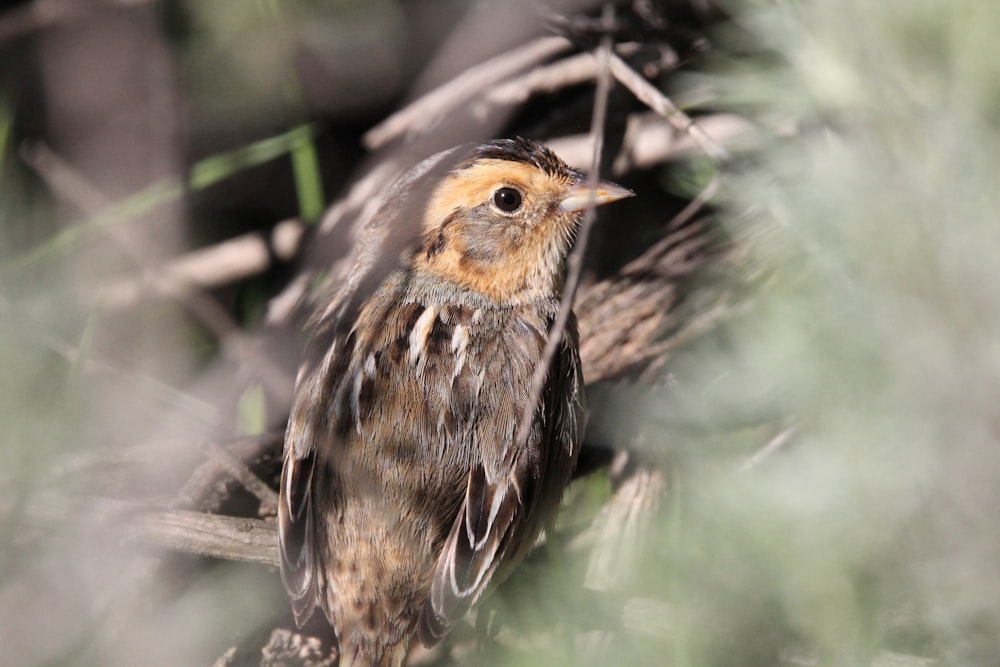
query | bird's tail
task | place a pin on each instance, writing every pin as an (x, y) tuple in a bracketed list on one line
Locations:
[(362, 651)]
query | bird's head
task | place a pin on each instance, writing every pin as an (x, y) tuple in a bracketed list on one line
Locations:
[(503, 220)]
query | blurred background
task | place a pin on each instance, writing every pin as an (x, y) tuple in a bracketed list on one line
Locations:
[(791, 336)]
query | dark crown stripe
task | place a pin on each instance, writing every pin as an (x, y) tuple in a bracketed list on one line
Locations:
[(523, 150)]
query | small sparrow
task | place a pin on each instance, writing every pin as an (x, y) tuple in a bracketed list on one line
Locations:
[(405, 493)]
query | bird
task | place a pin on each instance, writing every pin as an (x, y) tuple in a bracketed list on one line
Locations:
[(406, 492)]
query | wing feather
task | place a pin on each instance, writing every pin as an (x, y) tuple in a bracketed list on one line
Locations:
[(308, 433), (500, 518), (471, 554), (296, 533)]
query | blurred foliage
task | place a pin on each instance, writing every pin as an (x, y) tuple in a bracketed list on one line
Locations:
[(202, 174), (872, 221), (262, 59)]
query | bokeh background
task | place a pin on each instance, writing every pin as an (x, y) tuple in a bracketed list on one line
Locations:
[(792, 333)]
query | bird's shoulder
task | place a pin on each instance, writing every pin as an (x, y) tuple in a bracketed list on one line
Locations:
[(418, 318)]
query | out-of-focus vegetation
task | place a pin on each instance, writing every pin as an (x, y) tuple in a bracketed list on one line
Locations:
[(875, 328), (871, 223), (824, 458)]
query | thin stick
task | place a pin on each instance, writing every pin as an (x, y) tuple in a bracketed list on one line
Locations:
[(242, 473), (773, 445), (39, 15), (661, 104), (569, 71), (225, 262), (650, 140), (213, 535), (427, 111), (574, 265)]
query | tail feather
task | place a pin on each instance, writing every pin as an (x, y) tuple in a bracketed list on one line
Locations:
[(372, 651)]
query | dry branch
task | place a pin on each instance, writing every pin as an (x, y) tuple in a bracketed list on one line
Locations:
[(231, 538), (201, 490), (227, 262), (426, 112), (661, 104), (617, 532), (574, 268), (211, 535), (241, 472), (41, 14)]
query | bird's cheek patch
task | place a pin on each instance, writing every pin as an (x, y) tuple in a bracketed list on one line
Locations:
[(488, 244), (481, 253)]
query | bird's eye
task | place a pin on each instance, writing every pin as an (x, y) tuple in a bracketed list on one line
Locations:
[(507, 199)]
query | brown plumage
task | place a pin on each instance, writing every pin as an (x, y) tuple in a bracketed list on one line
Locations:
[(404, 495)]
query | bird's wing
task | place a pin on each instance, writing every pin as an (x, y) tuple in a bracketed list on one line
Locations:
[(501, 514), (307, 437), (296, 528), (472, 552)]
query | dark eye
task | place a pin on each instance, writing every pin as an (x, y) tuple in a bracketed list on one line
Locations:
[(507, 199)]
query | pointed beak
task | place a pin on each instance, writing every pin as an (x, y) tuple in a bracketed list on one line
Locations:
[(580, 196)]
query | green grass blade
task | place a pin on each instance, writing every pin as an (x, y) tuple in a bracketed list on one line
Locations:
[(305, 167)]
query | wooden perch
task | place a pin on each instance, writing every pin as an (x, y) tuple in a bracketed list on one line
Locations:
[(231, 538), (212, 535)]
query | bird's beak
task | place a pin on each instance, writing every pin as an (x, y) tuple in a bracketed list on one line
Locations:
[(581, 196)]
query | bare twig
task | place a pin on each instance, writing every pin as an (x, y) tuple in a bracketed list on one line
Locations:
[(226, 659), (695, 205), (221, 264), (694, 328), (882, 659), (617, 531), (427, 111), (622, 317), (212, 535), (574, 265), (46, 13), (196, 492), (774, 444), (650, 141), (573, 70), (569, 71), (661, 104), (241, 472)]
